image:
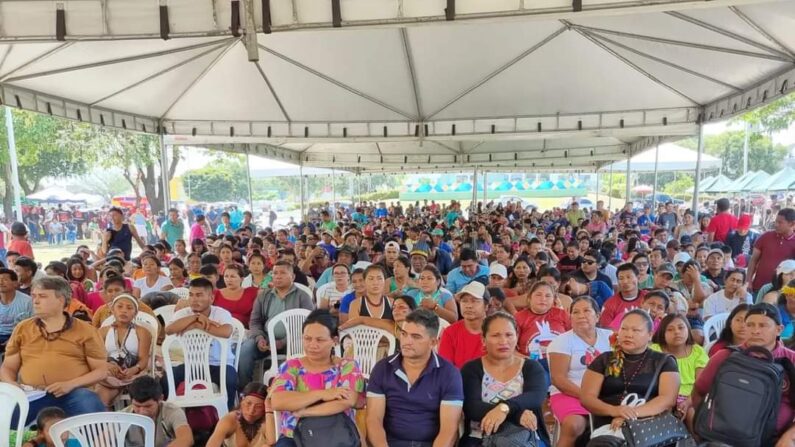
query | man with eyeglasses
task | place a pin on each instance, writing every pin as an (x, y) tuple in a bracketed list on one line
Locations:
[(589, 268)]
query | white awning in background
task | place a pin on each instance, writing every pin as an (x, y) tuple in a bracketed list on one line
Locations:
[(672, 158)]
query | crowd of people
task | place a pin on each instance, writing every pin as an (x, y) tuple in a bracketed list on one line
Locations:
[(507, 321)]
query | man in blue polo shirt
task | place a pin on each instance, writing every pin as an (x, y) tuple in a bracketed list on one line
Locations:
[(414, 398), (469, 269)]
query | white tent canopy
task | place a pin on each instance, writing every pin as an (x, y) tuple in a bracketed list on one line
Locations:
[(507, 83), (671, 158)]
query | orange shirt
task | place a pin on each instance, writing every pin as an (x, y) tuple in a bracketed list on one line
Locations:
[(65, 358)]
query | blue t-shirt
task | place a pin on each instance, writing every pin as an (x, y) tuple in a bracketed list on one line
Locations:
[(600, 292), (345, 302), (21, 308), (412, 411)]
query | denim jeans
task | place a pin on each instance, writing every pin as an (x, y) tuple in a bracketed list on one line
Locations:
[(284, 441), (79, 401), (249, 353), (215, 375)]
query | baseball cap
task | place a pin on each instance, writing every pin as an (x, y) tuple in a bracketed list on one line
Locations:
[(715, 251), (666, 268), (474, 289), (498, 269), (392, 244), (346, 249), (744, 222), (682, 257), (787, 266), (437, 232), (420, 248)]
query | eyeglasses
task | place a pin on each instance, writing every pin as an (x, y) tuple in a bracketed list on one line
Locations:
[(588, 261), (641, 264)]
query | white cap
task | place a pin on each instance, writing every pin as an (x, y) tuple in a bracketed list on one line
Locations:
[(681, 257), (787, 266), (498, 269), (475, 289)]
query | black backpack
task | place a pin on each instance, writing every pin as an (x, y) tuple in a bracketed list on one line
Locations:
[(742, 405)]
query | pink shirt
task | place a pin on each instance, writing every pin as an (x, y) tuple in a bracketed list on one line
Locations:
[(196, 232)]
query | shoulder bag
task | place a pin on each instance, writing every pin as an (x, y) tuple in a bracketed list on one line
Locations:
[(654, 431)]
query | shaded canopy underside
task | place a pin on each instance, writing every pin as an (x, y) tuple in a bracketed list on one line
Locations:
[(396, 88)]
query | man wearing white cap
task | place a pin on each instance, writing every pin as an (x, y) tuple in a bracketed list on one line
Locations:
[(462, 341)]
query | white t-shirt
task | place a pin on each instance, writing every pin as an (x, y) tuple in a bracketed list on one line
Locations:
[(718, 303), (581, 353), (220, 316), (330, 292), (162, 281)]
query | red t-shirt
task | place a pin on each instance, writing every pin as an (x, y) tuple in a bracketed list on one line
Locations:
[(240, 309), (615, 307), (721, 225), (21, 247), (536, 331), (774, 248), (94, 301), (459, 346)]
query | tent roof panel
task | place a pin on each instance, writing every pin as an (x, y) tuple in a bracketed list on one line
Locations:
[(550, 80), (389, 80), (671, 158), (720, 184)]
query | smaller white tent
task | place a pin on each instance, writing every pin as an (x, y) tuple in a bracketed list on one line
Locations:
[(671, 158)]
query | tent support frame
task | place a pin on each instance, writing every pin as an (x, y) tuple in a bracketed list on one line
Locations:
[(698, 168)]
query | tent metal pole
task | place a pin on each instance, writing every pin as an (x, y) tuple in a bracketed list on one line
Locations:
[(597, 185), (654, 187), (164, 177), (248, 182), (629, 174), (474, 204), (301, 188), (485, 186), (745, 147), (698, 166), (333, 196), (610, 189), (12, 156)]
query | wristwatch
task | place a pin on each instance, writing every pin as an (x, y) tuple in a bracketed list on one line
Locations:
[(504, 407)]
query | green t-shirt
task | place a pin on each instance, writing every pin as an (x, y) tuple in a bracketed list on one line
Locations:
[(697, 359)]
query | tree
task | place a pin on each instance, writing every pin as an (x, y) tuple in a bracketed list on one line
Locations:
[(679, 187), (776, 116), (728, 146), (46, 147), (617, 187), (138, 155), (223, 180), (107, 183)]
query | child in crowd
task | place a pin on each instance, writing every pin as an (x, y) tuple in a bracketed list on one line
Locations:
[(44, 420)]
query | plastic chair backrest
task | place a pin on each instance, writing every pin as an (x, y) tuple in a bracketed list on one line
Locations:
[(12, 396), (443, 324), (181, 292), (196, 345), (713, 327), (293, 321), (306, 289), (102, 429), (166, 313), (151, 324), (236, 339), (366, 341)]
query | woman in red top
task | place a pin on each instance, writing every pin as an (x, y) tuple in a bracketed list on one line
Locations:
[(540, 322), (19, 240), (237, 300)]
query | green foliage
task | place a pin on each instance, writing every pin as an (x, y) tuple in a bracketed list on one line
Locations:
[(615, 188), (776, 116), (762, 153), (224, 180), (680, 186)]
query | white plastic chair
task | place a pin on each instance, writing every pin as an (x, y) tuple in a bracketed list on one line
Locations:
[(181, 292), (12, 397), (366, 340), (102, 429), (236, 339), (712, 329), (151, 324), (196, 346), (166, 313), (293, 320), (306, 289), (443, 324)]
